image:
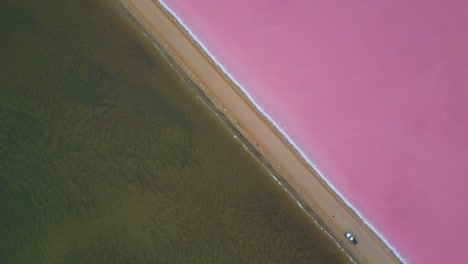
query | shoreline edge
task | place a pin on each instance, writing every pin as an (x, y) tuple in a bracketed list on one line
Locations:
[(289, 168)]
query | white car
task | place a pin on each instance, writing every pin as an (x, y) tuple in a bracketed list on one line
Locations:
[(351, 238)]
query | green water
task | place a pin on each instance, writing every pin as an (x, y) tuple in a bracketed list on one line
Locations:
[(107, 155)]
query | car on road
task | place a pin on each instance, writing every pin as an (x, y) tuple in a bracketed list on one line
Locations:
[(351, 238)]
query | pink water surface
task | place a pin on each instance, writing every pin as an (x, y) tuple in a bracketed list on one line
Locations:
[(375, 93)]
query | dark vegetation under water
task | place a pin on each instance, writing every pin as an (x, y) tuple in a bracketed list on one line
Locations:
[(107, 156)]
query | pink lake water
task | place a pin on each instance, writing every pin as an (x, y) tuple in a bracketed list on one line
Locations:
[(374, 93)]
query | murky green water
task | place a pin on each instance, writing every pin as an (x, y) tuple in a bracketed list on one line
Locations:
[(107, 156)]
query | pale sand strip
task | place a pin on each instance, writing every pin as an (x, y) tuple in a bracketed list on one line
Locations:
[(318, 200)]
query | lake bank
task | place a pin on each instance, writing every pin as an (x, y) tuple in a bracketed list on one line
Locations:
[(304, 183)]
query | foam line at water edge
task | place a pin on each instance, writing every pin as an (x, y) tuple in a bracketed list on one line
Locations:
[(290, 141)]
